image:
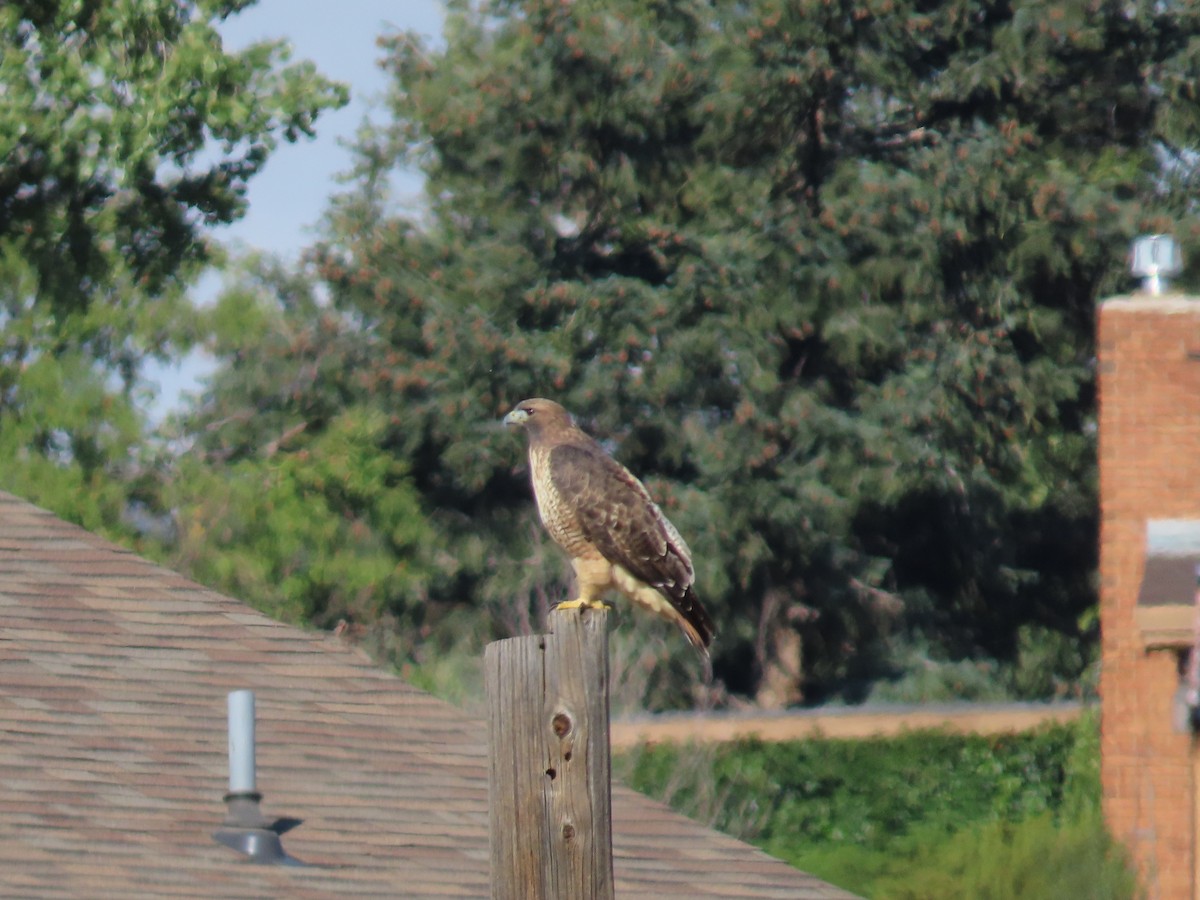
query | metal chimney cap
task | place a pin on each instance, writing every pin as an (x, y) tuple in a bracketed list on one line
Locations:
[(1155, 258)]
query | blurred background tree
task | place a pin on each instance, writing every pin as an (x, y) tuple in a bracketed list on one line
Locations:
[(823, 274), (125, 131), (288, 494)]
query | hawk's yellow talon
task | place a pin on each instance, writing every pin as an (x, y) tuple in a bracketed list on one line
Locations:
[(581, 603)]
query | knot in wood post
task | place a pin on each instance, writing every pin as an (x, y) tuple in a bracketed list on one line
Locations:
[(561, 724), (550, 784)]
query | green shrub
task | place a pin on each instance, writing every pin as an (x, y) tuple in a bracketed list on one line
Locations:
[(859, 792), (922, 815), (1041, 858)]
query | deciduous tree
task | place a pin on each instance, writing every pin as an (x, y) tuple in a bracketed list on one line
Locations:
[(126, 131)]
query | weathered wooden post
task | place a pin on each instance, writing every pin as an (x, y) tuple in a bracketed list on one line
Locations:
[(550, 784)]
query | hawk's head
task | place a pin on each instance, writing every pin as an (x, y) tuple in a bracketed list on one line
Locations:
[(538, 416)]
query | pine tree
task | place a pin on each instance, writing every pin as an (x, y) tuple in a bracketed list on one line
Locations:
[(822, 273)]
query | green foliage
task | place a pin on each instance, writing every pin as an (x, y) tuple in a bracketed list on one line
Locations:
[(125, 130), (929, 681), (329, 530), (131, 127), (1040, 858), (1037, 671), (321, 521), (926, 814), (822, 273), (868, 792)]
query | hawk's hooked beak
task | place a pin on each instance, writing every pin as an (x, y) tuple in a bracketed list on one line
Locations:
[(516, 417)]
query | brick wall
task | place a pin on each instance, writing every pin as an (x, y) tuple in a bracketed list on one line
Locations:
[(1149, 469)]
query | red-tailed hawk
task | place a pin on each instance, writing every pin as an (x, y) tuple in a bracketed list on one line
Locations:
[(604, 518)]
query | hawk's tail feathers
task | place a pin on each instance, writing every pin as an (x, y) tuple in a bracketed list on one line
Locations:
[(695, 623)]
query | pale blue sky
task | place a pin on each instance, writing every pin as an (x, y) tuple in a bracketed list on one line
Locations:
[(289, 195), (287, 198)]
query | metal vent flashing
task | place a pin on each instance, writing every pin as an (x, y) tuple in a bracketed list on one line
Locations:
[(245, 828)]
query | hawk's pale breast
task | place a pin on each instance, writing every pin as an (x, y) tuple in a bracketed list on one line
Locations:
[(556, 514)]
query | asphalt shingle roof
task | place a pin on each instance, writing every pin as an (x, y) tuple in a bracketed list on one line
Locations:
[(113, 751)]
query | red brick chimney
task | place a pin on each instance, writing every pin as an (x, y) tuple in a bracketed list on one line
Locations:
[(1149, 432)]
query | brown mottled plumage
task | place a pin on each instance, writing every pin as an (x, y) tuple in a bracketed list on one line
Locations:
[(615, 534)]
